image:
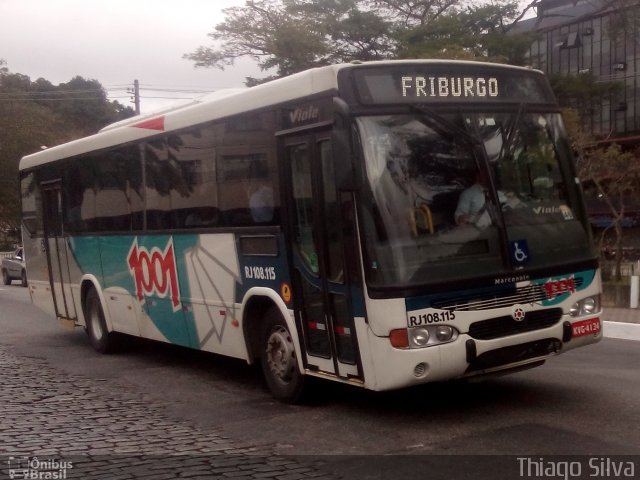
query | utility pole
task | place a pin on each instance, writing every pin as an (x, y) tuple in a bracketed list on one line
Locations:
[(135, 99)]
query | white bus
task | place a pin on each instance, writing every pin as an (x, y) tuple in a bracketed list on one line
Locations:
[(314, 224)]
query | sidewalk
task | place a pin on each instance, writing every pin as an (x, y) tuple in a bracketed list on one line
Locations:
[(624, 315), (621, 323)]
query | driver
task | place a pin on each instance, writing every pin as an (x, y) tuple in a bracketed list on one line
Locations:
[(472, 204)]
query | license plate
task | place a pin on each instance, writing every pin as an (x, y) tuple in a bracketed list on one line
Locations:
[(586, 327)]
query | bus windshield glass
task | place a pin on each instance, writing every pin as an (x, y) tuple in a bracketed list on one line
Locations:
[(461, 196)]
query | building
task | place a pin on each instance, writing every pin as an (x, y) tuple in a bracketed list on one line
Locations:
[(597, 42), (600, 39)]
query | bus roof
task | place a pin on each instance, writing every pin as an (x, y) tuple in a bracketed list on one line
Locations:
[(218, 105)]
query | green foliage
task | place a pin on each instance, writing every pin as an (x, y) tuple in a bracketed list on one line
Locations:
[(582, 92), (84, 105), (624, 16), (412, 13), (38, 114), (477, 32), (265, 31), (608, 173), (289, 36), (293, 35)]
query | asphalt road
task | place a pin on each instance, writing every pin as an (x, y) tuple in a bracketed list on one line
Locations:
[(586, 403)]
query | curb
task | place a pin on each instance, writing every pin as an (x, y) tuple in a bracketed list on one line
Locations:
[(622, 330)]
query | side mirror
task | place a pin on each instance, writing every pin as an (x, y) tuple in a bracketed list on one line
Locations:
[(342, 155)]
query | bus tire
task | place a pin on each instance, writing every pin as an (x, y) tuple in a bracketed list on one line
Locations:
[(100, 337), (278, 359)]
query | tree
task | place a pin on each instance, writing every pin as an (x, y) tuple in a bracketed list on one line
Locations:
[(476, 32), (82, 103), (583, 92), (292, 35), (609, 174), (624, 16), (38, 114), (412, 13), (266, 31)]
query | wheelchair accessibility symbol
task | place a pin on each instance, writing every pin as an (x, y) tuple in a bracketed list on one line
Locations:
[(519, 252)]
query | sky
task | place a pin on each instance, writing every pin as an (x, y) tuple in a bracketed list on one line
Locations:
[(116, 42)]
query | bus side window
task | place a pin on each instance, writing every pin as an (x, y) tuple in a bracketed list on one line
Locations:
[(202, 217), (248, 188)]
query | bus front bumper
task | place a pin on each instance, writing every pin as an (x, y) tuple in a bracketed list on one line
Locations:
[(397, 368)]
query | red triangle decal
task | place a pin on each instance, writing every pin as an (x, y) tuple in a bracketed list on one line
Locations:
[(152, 124)]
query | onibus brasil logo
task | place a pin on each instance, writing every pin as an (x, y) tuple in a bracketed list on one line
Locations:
[(154, 272)]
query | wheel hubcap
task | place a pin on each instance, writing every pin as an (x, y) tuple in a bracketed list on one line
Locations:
[(280, 354)]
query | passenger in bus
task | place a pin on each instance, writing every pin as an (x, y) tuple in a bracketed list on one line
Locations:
[(261, 204), (472, 204)]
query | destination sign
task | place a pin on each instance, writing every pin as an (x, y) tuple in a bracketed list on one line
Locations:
[(444, 83), (467, 87)]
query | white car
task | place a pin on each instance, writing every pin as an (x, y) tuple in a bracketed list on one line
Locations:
[(13, 268)]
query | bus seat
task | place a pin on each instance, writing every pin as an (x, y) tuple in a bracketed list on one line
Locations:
[(421, 219)]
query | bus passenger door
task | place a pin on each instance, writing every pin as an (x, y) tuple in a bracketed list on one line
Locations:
[(322, 296), (55, 246)]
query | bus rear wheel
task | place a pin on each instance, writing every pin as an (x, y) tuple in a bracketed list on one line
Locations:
[(100, 337), (279, 361)]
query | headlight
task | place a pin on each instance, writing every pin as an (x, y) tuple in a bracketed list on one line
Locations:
[(574, 311), (420, 337), (589, 305), (444, 333), (586, 306)]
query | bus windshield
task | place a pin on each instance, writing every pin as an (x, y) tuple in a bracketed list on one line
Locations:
[(465, 195)]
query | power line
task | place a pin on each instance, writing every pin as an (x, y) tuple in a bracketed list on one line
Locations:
[(49, 92), (179, 90), (66, 93), (111, 93), (44, 99), (168, 98)]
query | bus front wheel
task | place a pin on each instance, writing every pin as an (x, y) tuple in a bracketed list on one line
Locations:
[(99, 336), (278, 359)]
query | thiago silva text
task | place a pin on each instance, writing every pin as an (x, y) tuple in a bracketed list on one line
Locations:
[(594, 467)]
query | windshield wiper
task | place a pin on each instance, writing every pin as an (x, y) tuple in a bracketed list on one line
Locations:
[(443, 125), (506, 146)]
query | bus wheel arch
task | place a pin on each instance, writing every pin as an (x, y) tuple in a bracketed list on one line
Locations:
[(253, 317)]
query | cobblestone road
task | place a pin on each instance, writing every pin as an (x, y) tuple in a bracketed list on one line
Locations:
[(49, 418)]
